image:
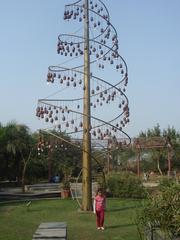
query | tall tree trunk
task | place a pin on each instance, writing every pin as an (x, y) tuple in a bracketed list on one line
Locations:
[(24, 170), (158, 166)]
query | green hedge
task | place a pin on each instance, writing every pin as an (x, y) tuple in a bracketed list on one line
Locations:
[(126, 185), (163, 211)]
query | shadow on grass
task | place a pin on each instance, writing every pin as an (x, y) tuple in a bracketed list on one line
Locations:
[(122, 209), (120, 226), (32, 210)]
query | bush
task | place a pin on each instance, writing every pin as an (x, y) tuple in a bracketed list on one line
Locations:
[(162, 211), (166, 182), (126, 185)]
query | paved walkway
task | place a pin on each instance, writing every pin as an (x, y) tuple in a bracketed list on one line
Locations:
[(51, 231)]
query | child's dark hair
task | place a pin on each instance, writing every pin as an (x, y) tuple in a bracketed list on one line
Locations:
[(100, 190)]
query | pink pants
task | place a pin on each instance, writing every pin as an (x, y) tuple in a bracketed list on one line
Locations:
[(100, 218)]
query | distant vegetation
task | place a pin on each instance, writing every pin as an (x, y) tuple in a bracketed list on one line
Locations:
[(23, 162)]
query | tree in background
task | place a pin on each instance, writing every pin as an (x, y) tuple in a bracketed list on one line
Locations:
[(19, 159), (63, 159), (3, 156), (16, 150), (160, 156)]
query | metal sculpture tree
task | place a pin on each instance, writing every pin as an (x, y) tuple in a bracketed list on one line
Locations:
[(95, 105)]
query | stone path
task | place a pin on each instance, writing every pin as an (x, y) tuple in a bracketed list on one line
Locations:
[(51, 231)]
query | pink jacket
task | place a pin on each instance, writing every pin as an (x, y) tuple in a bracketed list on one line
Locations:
[(99, 203)]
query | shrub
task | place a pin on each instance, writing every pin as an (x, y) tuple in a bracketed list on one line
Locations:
[(166, 182), (125, 185), (162, 211)]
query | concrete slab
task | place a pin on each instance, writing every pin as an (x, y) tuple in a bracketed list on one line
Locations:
[(51, 231), (52, 225)]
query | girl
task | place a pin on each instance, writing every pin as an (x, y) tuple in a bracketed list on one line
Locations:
[(99, 207)]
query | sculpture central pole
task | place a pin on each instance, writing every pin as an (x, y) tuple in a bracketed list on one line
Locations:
[(86, 161)]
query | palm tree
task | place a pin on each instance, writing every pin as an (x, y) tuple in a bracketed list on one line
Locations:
[(19, 145)]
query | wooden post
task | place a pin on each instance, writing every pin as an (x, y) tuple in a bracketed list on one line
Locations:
[(86, 162), (169, 147), (138, 160)]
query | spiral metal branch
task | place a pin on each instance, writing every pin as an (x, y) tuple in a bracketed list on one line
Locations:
[(109, 103)]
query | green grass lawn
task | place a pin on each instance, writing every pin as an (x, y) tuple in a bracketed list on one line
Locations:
[(18, 223)]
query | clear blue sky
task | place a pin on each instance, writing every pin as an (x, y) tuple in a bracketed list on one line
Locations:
[(149, 37)]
